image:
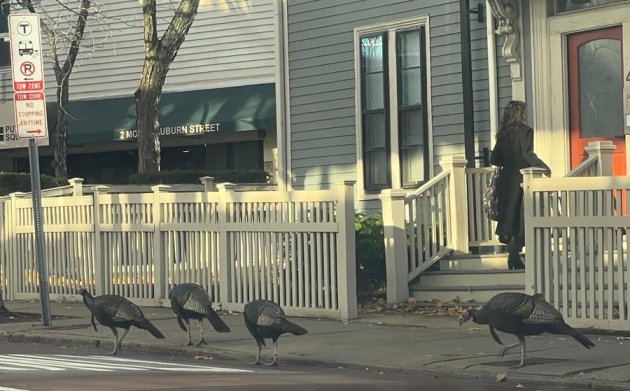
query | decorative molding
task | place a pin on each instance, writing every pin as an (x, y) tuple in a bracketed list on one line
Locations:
[(506, 12)]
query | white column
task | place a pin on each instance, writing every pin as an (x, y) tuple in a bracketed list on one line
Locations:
[(534, 267), (101, 268), (604, 151), (77, 186), (395, 236), (160, 288), (458, 202), (225, 190), (346, 251)]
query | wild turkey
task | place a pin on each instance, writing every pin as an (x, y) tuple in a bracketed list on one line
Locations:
[(265, 319), (115, 312), (521, 315), (190, 301)]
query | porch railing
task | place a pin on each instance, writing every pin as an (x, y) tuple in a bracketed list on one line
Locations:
[(296, 248), (423, 226), (446, 214)]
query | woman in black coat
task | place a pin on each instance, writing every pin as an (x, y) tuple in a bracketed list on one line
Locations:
[(513, 151)]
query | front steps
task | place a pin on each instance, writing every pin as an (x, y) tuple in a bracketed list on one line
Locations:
[(468, 278)]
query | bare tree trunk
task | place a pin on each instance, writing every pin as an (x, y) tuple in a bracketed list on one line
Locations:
[(60, 164), (62, 77), (158, 56), (147, 112)]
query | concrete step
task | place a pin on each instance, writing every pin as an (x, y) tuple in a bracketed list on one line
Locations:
[(479, 294), (474, 262), (470, 278)]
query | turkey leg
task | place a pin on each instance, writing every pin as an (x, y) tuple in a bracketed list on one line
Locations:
[(521, 343), (274, 363), (115, 351), (189, 341), (120, 341), (257, 362), (202, 341)]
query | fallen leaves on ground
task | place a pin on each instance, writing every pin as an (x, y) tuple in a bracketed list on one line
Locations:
[(413, 307)]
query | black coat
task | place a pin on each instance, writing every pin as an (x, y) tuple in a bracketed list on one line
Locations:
[(512, 153)]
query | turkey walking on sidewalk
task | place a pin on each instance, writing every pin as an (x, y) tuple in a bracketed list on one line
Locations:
[(521, 315), (115, 312)]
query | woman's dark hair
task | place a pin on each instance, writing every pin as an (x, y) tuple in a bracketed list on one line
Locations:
[(515, 113)]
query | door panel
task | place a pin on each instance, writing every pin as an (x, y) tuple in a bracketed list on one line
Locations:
[(595, 93)]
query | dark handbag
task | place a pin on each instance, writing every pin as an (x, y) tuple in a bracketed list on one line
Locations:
[(491, 199)]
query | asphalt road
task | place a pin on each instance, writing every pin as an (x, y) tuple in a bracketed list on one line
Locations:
[(35, 367)]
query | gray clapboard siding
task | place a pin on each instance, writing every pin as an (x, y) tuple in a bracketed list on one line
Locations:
[(322, 86), (234, 46)]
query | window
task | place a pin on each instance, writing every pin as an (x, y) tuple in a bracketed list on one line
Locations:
[(5, 54), (393, 113), (560, 6)]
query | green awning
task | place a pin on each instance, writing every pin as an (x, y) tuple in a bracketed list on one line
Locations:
[(181, 114)]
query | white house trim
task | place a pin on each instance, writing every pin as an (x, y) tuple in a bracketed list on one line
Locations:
[(549, 62)]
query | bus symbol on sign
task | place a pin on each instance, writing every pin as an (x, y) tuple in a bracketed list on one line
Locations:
[(25, 38)]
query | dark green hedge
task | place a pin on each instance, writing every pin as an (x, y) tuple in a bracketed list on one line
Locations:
[(192, 176), (10, 182), (370, 253)]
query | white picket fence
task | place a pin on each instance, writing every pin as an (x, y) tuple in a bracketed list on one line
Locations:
[(577, 247), (295, 248)]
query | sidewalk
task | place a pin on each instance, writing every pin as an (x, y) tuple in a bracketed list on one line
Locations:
[(431, 343)]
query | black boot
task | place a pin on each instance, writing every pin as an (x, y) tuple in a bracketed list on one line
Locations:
[(515, 262)]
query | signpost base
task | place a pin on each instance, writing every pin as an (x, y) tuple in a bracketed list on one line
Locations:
[(33, 158)]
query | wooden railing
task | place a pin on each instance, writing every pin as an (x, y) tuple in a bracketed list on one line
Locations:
[(296, 248), (480, 227), (446, 214), (423, 226)]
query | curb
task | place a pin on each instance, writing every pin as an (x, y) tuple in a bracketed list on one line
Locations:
[(233, 355)]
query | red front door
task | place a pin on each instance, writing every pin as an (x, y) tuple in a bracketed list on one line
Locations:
[(595, 93)]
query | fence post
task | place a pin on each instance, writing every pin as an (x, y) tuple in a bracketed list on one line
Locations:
[(160, 288), (533, 271), (14, 256), (346, 251), (208, 183), (77, 186), (604, 152), (458, 202), (224, 251), (395, 237), (100, 268)]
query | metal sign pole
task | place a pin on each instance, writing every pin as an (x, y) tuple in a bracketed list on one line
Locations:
[(33, 157)]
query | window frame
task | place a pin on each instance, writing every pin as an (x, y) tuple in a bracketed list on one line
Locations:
[(395, 169)]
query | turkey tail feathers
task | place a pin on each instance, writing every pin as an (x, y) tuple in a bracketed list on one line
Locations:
[(568, 330), (581, 339), (294, 329), (146, 325), (216, 322)]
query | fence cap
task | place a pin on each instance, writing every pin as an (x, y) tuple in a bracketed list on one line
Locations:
[(457, 160), (534, 171), (226, 185), (72, 181), (600, 145), (393, 193), (160, 187)]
